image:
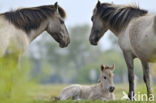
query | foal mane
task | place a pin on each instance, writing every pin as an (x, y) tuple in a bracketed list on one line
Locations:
[(28, 19), (118, 16)]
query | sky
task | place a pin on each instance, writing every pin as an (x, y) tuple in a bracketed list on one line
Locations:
[(78, 11)]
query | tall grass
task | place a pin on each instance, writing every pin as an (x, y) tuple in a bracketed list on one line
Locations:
[(14, 81)]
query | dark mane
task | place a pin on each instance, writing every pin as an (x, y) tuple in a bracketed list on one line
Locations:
[(119, 16), (28, 19)]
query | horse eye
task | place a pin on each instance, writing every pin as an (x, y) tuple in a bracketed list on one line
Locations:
[(105, 77)]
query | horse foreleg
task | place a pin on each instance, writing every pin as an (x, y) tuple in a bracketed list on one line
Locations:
[(129, 61), (146, 77)]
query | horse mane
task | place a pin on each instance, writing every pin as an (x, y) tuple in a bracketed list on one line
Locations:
[(31, 18), (119, 16)]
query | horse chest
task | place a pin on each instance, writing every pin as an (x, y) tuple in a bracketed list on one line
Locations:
[(124, 41)]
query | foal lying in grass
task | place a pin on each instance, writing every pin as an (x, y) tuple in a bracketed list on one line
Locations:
[(100, 91)]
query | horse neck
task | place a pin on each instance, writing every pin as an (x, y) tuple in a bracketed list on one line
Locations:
[(35, 33), (118, 33), (115, 32)]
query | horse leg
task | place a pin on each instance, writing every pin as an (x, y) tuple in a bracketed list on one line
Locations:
[(146, 77), (129, 61), (76, 97)]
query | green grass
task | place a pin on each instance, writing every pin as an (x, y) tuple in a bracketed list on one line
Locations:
[(15, 87), (46, 94)]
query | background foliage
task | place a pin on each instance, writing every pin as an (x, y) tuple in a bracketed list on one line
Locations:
[(45, 63), (75, 63)]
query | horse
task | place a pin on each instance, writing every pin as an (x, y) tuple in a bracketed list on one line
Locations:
[(20, 27), (103, 90), (135, 29)]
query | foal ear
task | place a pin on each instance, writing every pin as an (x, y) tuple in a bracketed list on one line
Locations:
[(102, 67), (56, 5), (98, 4)]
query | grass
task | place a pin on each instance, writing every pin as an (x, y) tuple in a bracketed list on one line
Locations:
[(45, 94), (15, 87)]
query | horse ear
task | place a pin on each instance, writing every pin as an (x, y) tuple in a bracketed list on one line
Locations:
[(56, 5), (102, 67), (113, 67), (98, 4)]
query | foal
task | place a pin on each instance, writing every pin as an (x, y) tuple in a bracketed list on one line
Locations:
[(100, 91)]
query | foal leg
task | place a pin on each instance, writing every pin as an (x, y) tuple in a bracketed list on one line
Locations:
[(129, 61), (146, 77)]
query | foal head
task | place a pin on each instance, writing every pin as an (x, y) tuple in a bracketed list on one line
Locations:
[(106, 78), (57, 28)]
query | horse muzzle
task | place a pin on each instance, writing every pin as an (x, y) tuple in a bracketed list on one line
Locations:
[(93, 41), (111, 89), (64, 44)]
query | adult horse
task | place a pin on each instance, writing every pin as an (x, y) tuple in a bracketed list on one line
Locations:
[(136, 32), (19, 28)]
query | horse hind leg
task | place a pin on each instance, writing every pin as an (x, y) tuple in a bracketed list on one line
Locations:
[(64, 97), (146, 77), (75, 98), (70, 92)]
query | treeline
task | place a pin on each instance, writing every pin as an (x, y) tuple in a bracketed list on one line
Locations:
[(79, 62)]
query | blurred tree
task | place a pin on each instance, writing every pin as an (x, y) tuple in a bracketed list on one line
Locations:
[(73, 64), (114, 42), (153, 71), (78, 54), (80, 51)]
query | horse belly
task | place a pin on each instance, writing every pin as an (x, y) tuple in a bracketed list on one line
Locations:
[(143, 41), (85, 92), (70, 91)]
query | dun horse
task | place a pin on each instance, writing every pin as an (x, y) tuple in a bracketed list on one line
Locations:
[(19, 28), (136, 32), (101, 91)]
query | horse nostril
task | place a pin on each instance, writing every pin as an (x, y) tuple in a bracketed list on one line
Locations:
[(111, 89)]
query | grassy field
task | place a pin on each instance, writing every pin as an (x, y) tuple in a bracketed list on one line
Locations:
[(46, 93)]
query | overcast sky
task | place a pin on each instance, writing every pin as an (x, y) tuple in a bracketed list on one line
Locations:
[(78, 11)]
